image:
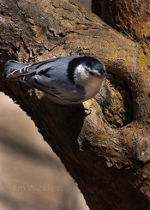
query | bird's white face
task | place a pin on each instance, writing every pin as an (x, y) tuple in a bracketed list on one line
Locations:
[(81, 75), (91, 80), (84, 75)]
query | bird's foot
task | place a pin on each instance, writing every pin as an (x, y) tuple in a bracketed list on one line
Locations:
[(31, 92), (87, 106)]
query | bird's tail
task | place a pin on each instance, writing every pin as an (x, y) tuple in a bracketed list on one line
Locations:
[(14, 69)]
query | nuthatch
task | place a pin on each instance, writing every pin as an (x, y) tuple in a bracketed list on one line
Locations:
[(67, 80)]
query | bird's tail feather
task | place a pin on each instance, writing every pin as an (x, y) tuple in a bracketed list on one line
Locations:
[(14, 69)]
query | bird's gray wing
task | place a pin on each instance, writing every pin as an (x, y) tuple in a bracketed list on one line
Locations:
[(49, 76), (42, 66), (56, 88), (15, 69)]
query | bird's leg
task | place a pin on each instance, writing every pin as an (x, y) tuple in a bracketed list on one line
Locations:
[(37, 93), (31, 92), (87, 106)]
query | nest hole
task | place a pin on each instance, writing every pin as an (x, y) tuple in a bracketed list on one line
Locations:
[(115, 99)]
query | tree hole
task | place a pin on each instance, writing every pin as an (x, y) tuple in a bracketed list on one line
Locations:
[(115, 99)]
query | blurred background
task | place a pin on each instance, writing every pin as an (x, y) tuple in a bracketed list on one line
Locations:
[(32, 177)]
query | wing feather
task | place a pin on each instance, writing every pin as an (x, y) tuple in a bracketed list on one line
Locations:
[(57, 89)]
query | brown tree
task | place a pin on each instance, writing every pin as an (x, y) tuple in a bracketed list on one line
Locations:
[(107, 152)]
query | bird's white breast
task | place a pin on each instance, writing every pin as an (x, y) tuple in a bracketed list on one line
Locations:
[(93, 87)]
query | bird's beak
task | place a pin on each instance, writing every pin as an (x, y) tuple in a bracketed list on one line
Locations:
[(104, 75), (98, 74)]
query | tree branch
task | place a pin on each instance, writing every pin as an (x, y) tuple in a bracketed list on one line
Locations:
[(108, 151)]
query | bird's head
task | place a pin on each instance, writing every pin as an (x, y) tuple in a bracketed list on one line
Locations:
[(89, 69)]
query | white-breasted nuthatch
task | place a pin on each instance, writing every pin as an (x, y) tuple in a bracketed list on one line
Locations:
[(67, 80)]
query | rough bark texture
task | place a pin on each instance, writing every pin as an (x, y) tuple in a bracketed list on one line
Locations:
[(108, 151), (131, 17)]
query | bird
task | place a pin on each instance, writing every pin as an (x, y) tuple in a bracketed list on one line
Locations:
[(66, 80)]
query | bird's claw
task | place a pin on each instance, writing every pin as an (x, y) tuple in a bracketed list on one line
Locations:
[(87, 107), (31, 92)]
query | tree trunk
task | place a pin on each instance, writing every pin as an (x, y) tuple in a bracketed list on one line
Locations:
[(107, 152), (130, 17)]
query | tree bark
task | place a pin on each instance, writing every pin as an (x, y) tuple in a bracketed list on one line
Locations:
[(130, 17), (107, 152)]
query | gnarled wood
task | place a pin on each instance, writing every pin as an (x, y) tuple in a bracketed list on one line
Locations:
[(108, 151), (131, 17)]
